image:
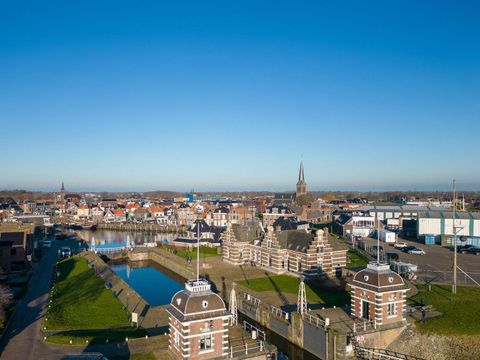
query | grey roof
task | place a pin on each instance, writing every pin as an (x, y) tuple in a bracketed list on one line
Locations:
[(246, 233), (398, 208), (285, 223), (201, 224), (449, 215), (297, 240)]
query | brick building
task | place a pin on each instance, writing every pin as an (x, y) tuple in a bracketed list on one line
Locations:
[(198, 323), (272, 213), (291, 251), (378, 295)]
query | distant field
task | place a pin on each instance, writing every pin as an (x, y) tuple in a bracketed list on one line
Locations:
[(461, 312), (82, 301), (290, 284)]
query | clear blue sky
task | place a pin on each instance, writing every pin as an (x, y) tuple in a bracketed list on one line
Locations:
[(229, 95)]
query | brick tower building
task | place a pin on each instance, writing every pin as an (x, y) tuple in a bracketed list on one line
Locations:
[(198, 320), (198, 323), (378, 295)]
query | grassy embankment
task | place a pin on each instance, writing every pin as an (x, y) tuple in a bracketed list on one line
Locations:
[(461, 312), (84, 309), (290, 284)]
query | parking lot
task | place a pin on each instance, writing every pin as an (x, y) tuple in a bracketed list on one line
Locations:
[(436, 258)]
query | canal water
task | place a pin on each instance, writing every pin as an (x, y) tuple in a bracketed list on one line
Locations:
[(113, 239), (157, 285), (154, 283)]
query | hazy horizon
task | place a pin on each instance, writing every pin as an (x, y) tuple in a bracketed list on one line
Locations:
[(466, 187)]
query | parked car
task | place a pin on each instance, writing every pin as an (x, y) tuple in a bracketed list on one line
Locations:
[(472, 250), (400, 245), (390, 256), (416, 251), (65, 252), (462, 248), (408, 248), (47, 244)]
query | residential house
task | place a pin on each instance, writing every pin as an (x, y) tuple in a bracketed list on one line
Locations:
[(83, 213), (273, 212)]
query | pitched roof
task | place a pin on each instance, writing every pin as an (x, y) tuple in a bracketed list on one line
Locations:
[(297, 240)]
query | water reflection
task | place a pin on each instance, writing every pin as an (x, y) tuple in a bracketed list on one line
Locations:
[(113, 239), (151, 281)]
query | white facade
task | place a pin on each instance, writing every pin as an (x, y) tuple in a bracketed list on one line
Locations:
[(467, 225), (387, 236)]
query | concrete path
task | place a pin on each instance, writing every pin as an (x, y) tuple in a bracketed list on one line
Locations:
[(22, 338)]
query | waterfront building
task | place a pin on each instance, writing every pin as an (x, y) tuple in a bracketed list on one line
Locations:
[(205, 234), (290, 251), (378, 295), (198, 323), (83, 212), (186, 216)]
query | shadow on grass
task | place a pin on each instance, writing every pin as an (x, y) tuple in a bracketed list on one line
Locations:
[(96, 337), (331, 293), (282, 297)]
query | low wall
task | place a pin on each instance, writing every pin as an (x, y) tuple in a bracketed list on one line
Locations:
[(130, 299)]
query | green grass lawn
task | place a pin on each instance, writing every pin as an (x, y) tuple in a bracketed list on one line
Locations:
[(95, 336), (355, 258), (290, 284), (81, 300), (205, 251), (461, 313)]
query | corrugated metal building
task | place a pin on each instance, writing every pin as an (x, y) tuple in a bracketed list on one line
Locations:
[(441, 223)]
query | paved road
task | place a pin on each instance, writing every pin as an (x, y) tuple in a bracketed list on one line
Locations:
[(22, 339), (437, 258)]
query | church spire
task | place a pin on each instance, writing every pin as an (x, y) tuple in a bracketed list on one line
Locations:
[(301, 184), (301, 176)]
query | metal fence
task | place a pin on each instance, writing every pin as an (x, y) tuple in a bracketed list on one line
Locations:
[(446, 277)]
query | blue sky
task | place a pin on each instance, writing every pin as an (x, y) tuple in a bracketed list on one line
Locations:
[(230, 95)]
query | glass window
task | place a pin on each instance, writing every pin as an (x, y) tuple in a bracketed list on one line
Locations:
[(391, 309), (206, 342)]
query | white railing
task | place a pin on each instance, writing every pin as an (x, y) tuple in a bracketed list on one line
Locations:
[(314, 320), (252, 299), (279, 312)]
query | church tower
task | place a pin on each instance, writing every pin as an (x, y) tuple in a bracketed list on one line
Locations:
[(62, 194), (301, 184)]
